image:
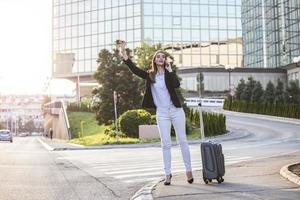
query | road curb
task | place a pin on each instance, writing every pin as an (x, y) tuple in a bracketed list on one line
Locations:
[(286, 173), (145, 193), (48, 147), (140, 145), (266, 117)]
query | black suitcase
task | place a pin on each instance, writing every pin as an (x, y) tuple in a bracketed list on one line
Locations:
[(212, 162)]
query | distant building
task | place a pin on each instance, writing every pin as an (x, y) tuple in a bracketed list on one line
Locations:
[(16, 111), (271, 32), (204, 33), (198, 33)]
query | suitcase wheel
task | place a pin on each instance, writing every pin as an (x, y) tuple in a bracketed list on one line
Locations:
[(220, 179), (205, 180)]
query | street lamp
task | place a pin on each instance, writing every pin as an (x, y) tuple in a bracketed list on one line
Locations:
[(230, 68), (200, 109), (297, 61)]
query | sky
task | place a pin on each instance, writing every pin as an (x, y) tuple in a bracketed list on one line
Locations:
[(25, 47)]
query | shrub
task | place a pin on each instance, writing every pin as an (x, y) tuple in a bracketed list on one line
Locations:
[(113, 133), (153, 119), (130, 121)]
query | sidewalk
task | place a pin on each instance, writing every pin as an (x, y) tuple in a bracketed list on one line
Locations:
[(258, 179)]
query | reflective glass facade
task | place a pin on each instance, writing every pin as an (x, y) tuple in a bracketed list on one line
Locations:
[(197, 32), (271, 32)]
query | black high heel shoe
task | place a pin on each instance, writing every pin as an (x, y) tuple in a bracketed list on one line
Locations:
[(191, 180), (168, 182)]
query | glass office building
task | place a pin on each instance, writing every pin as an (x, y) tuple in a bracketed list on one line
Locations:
[(199, 33), (271, 32)]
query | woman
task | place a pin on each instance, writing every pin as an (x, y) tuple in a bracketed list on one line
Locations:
[(160, 93)]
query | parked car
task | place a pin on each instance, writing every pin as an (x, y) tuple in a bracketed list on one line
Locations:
[(24, 134), (5, 135)]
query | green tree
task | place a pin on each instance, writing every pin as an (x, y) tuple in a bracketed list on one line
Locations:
[(257, 92), (240, 88), (280, 94), (29, 126), (144, 54), (247, 92), (269, 95), (293, 92), (113, 75)]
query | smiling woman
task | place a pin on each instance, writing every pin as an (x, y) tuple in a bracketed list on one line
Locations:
[(25, 48)]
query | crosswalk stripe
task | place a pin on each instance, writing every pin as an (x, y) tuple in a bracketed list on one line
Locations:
[(141, 164), (148, 170)]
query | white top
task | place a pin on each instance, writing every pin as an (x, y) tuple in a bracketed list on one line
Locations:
[(160, 93)]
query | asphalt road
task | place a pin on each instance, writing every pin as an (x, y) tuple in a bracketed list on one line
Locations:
[(31, 172)]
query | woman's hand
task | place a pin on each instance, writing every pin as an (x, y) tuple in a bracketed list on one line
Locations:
[(168, 66), (122, 50)]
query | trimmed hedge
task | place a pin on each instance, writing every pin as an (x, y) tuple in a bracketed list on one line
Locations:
[(280, 110), (214, 124)]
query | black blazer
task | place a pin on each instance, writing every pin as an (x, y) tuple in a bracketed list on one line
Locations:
[(171, 83)]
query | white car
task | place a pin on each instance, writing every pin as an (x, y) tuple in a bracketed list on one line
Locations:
[(5, 135)]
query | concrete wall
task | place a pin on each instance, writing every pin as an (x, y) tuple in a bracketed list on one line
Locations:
[(148, 131), (58, 121), (219, 80)]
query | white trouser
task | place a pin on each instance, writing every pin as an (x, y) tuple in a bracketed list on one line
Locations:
[(164, 118)]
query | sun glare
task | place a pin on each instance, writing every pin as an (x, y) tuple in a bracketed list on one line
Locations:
[(25, 46)]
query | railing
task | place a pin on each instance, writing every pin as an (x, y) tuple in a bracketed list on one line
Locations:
[(66, 120), (57, 109)]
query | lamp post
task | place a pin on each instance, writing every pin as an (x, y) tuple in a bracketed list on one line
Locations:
[(78, 89), (296, 60), (201, 124), (230, 68)]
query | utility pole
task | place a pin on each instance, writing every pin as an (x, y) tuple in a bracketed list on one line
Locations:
[(116, 114), (200, 109)]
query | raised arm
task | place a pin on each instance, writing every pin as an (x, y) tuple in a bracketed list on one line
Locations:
[(137, 71)]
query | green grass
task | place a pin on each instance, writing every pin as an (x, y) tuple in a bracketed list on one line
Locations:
[(93, 134), (101, 139), (90, 126), (194, 135)]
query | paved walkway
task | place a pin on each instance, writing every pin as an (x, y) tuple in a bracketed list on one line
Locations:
[(258, 179)]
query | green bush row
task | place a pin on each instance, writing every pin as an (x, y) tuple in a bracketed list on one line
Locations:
[(281, 110), (214, 124)]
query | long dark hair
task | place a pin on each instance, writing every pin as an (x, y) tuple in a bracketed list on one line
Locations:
[(153, 71)]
